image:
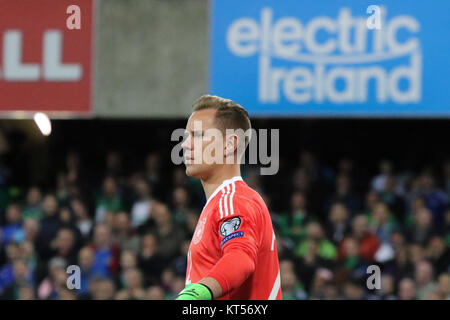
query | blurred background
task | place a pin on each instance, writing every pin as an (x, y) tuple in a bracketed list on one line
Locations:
[(364, 176)]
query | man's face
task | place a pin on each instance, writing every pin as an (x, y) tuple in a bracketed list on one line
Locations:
[(201, 138), (20, 271), (50, 205), (360, 226), (407, 290), (104, 290), (101, 236), (13, 214), (86, 258), (122, 223), (65, 240)]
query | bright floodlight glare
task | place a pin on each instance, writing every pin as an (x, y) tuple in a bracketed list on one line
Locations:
[(43, 123)]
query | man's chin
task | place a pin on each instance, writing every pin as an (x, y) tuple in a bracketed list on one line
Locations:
[(191, 172), (199, 171)]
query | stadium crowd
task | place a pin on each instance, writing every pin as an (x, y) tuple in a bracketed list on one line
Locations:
[(130, 232)]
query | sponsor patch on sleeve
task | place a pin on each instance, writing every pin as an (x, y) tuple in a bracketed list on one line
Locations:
[(229, 226), (233, 235)]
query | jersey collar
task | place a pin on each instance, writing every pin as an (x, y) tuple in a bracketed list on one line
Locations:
[(223, 185)]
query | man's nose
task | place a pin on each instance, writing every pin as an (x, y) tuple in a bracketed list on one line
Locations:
[(187, 143)]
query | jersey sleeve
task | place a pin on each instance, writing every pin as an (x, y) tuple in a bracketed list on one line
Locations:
[(238, 236), (238, 226)]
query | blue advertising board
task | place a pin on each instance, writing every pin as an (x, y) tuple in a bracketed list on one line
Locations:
[(332, 57)]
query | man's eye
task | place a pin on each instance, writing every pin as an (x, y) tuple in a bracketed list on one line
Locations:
[(198, 134)]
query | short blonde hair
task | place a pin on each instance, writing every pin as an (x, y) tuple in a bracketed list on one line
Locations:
[(229, 115)]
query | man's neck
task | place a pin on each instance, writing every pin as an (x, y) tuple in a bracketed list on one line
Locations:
[(215, 180)]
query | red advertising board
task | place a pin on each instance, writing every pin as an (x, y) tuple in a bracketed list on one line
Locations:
[(46, 55)]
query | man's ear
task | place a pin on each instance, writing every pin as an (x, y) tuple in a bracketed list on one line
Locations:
[(231, 144)]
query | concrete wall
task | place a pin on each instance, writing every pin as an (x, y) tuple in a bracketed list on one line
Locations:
[(151, 57)]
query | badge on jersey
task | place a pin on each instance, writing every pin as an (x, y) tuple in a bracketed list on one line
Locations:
[(199, 231), (228, 230)]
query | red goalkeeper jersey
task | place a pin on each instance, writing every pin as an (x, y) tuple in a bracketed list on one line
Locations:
[(234, 243)]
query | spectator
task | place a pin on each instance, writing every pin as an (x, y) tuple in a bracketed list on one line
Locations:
[(401, 266), (167, 279), (140, 211), (67, 221), (381, 222), (330, 291), (435, 199), (326, 249), (128, 261), (423, 276), (50, 225), (64, 246), (438, 254), (407, 289), (444, 286), (72, 163), (389, 196), (152, 172), (13, 227), (322, 278), (66, 294), (123, 233), (149, 260), (379, 181), (31, 229), (371, 200), (180, 262), (310, 263), (344, 195), (168, 234), (113, 165), (106, 254), (387, 290), (368, 243), (88, 268), (22, 277), (155, 293), (102, 289), (82, 220), (338, 223), (62, 188), (292, 289), (33, 207), (292, 224), (48, 288), (6, 271), (109, 200), (422, 228), (180, 203), (446, 227), (351, 266), (353, 290), (26, 292), (177, 284), (30, 256), (133, 289)]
